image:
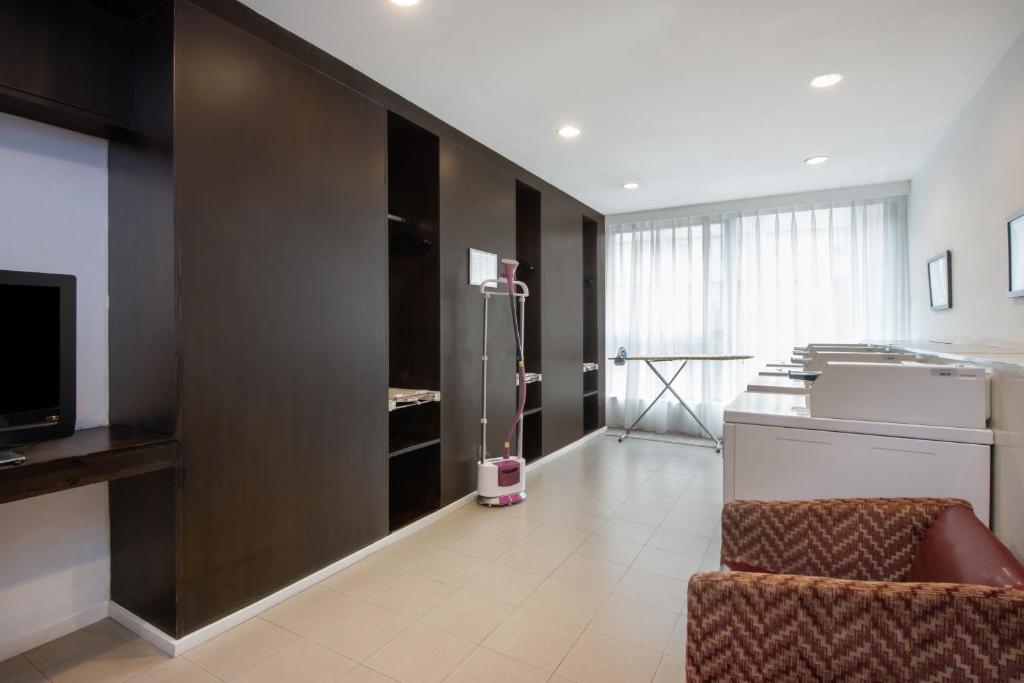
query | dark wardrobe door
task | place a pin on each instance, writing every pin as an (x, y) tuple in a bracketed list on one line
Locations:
[(478, 210), (562, 314), (281, 215)]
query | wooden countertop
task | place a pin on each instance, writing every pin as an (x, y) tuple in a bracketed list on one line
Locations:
[(87, 457)]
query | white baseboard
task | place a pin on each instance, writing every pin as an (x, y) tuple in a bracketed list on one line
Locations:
[(54, 631), (554, 455), (176, 646)]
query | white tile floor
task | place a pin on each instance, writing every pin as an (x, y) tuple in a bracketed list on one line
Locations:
[(585, 582)]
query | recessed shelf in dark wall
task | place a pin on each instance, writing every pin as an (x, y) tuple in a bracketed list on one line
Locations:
[(590, 292), (413, 446), (528, 208), (591, 327), (414, 485), (414, 301), (414, 266), (534, 395), (532, 436), (413, 425), (591, 415)]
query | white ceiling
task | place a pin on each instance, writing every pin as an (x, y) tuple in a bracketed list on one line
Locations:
[(697, 100)]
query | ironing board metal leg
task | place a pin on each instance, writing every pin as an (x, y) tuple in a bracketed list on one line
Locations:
[(656, 398), (668, 385)]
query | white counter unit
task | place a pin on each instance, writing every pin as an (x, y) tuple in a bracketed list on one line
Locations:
[(775, 450), (820, 359), (912, 393), (776, 371), (781, 384)]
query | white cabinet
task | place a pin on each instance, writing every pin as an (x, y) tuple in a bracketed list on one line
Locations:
[(785, 463)]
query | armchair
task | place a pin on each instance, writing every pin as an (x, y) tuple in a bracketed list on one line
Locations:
[(834, 604)]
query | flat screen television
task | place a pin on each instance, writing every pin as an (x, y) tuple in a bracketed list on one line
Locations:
[(37, 357)]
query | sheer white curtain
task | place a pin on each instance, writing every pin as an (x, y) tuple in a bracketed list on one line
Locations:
[(754, 283)]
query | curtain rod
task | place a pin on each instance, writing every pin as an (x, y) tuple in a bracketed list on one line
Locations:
[(874, 192)]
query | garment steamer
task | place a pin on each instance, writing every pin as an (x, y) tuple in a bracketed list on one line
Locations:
[(502, 481)]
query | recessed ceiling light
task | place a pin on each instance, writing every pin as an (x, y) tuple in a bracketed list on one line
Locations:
[(826, 80), (405, 3), (815, 161), (569, 131), (631, 186)]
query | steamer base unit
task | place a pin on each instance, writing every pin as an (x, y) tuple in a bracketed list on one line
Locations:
[(501, 481)]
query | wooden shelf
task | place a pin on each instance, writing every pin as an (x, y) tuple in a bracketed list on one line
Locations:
[(412, 445), (414, 486), (404, 513), (528, 252), (89, 456)]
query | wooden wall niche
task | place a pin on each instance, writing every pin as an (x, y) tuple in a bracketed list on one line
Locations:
[(414, 314), (528, 253), (591, 331)]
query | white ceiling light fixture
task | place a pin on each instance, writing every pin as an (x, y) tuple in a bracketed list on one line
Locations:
[(631, 186), (405, 3), (569, 132), (816, 161), (826, 80)]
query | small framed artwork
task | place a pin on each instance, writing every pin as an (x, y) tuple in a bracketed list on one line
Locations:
[(1015, 234), (940, 281)]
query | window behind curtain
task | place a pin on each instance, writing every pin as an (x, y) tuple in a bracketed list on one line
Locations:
[(753, 282)]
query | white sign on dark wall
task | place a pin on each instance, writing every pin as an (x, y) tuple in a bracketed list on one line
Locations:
[(483, 265)]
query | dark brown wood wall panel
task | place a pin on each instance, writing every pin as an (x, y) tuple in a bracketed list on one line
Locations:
[(281, 213), (562, 254), (145, 534), (66, 62), (247, 18), (141, 242), (477, 210), (602, 354)]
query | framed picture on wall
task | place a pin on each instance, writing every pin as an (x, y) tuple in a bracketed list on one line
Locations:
[(940, 281), (1015, 230)]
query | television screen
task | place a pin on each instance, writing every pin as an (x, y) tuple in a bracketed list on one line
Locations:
[(30, 350), (37, 356)]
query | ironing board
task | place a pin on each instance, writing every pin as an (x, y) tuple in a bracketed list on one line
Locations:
[(651, 360)]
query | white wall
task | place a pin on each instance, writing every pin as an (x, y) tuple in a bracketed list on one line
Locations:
[(55, 549), (960, 201)]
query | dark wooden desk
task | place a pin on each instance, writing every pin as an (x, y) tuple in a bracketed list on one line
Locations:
[(87, 457)]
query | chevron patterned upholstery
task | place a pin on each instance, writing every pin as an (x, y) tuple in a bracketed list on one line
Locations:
[(838, 611), (872, 539)]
